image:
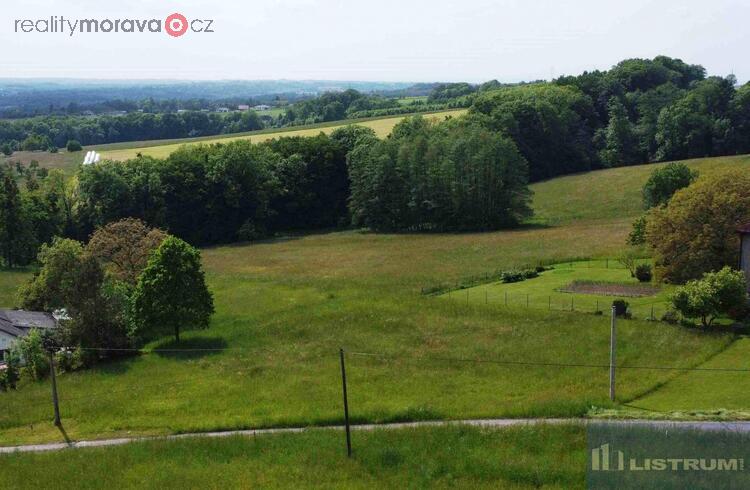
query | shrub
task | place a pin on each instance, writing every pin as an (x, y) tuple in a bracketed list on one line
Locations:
[(52, 149), (530, 274), (717, 293), (665, 181), (10, 376), (643, 273), (31, 350), (73, 145), (6, 149), (67, 360), (540, 268), (621, 307), (512, 276), (671, 317)]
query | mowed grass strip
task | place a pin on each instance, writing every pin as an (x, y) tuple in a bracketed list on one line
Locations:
[(706, 391), (445, 457), (550, 291), (381, 126)]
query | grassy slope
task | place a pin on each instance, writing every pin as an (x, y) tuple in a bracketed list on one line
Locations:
[(718, 390), (285, 306), (532, 457), (62, 159), (161, 149)]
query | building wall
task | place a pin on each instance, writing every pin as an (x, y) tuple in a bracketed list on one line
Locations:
[(745, 262), (6, 340)]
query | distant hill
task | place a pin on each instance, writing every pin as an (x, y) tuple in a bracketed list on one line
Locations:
[(35, 93)]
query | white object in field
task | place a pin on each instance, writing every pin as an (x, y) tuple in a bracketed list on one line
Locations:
[(91, 158)]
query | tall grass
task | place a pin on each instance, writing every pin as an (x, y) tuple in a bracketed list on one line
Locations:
[(449, 457)]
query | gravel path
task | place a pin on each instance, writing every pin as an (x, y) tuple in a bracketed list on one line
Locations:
[(498, 423)]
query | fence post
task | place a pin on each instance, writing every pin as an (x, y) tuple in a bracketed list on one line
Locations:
[(346, 405), (612, 354), (652, 312), (467, 296), (55, 401)]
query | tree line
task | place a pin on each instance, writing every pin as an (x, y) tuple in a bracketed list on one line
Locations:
[(45, 132)]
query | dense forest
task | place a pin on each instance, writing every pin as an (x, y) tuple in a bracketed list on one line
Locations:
[(42, 133), (466, 173)]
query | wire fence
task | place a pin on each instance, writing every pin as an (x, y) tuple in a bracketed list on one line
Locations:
[(497, 275), (638, 307), (79, 401)]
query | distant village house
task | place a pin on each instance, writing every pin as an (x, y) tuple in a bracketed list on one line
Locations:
[(15, 324)]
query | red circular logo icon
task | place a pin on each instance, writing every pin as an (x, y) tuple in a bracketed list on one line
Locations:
[(176, 25)]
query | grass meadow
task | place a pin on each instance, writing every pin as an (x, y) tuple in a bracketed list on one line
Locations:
[(285, 306), (161, 149), (448, 457)]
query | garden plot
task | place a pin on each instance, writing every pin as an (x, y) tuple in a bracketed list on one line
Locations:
[(585, 286)]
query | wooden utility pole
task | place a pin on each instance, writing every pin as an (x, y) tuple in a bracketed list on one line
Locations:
[(346, 405), (54, 388), (612, 354)]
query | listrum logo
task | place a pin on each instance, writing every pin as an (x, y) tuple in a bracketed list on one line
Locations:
[(175, 25)]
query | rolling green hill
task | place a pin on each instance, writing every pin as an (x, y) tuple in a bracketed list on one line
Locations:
[(285, 306)]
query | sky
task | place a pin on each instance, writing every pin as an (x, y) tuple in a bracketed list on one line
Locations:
[(383, 40)]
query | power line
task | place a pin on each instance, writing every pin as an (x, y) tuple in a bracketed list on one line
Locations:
[(540, 364)]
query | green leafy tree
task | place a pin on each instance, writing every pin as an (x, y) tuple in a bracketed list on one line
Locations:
[(53, 284), (16, 235), (73, 145), (696, 232), (665, 181), (455, 175), (716, 294), (171, 294), (621, 145), (6, 149), (637, 235), (697, 125), (70, 278), (551, 125)]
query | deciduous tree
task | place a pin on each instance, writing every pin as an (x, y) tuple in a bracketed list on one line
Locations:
[(171, 294)]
